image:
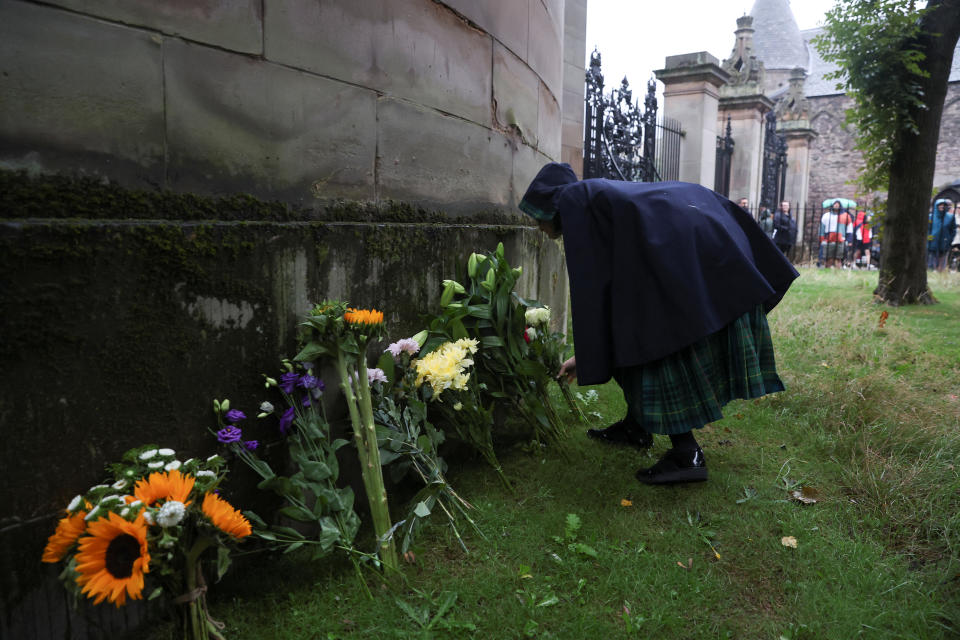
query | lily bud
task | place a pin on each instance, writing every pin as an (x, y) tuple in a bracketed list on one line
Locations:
[(457, 287), (225, 405), (216, 406), (472, 265), (421, 337), (447, 296), (491, 280), (518, 270)]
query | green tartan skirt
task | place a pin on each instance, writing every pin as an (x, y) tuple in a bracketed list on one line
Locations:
[(687, 389)]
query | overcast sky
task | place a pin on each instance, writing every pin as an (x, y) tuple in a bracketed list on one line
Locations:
[(634, 36)]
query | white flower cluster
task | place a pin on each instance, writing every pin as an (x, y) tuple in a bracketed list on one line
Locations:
[(537, 316)]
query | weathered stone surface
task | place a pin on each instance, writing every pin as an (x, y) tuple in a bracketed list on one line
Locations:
[(948, 148), (527, 161), (550, 127), (79, 95), (545, 54), (516, 93), (440, 161), (240, 124), (505, 20), (414, 49), (231, 24), (833, 160)]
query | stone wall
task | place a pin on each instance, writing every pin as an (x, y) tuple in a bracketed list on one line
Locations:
[(835, 162), (452, 105), (401, 132)]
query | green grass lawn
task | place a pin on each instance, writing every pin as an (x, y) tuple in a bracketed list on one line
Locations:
[(869, 425)]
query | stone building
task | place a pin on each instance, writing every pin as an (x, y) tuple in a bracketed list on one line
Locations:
[(773, 66), (381, 141)]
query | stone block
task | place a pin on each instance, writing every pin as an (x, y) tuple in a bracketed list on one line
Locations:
[(545, 54), (573, 105), (232, 24), (239, 124), (516, 93), (506, 20), (549, 120), (413, 49), (527, 161), (440, 161), (79, 95)]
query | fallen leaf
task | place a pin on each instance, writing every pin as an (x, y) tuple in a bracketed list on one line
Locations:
[(687, 566), (626, 503), (806, 495), (789, 541), (883, 319), (410, 557), (825, 365)]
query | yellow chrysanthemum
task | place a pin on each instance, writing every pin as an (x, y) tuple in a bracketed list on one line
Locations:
[(444, 368), (68, 530), (112, 559), (225, 517), (363, 316), (163, 486)]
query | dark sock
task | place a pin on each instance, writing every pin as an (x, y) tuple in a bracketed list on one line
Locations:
[(683, 441)]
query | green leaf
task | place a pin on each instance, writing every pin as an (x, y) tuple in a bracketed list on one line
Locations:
[(223, 561), (422, 510), (156, 593), (480, 311), (293, 547), (296, 513), (387, 365), (491, 341), (315, 471), (311, 352)]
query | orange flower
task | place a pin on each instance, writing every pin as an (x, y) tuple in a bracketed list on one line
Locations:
[(68, 530), (225, 517), (111, 560), (363, 316), (163, 486)]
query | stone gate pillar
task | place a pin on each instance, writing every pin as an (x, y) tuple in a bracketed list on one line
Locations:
[(746, 113), (691, 82)]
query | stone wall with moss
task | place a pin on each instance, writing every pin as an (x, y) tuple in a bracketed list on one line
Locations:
[(124, 313), (451, 104)]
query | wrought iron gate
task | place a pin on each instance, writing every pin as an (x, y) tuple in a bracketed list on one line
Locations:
[(774, 165), (721, 177), (620, 141)]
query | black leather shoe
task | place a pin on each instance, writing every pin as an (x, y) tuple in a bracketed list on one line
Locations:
[(676, 467), (623, 432)]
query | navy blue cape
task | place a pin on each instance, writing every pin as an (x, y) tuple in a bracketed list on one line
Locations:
[(655, 267)]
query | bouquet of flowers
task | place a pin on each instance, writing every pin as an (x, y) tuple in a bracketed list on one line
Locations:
[(151, 521), (409, 442)]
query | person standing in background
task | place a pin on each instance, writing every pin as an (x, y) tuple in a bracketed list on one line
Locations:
[(943, 226)]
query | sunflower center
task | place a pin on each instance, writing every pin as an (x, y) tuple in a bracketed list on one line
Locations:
[(122, 552)]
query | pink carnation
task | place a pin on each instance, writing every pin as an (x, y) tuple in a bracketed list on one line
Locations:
[(408, 345)]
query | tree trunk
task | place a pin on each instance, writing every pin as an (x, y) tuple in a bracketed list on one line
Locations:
[(903, 268)]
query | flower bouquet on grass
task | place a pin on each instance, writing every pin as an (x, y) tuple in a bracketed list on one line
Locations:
[(548, 348), (490, 311), (409, 443), (152, 522), (335, 331), (310, 494)]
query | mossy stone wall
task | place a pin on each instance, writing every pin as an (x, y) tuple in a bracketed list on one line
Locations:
[(120, 331)]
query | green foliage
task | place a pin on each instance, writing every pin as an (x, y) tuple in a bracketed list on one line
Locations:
[(310, 495), (873, 42)]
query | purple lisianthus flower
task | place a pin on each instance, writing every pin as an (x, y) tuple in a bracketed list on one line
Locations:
[(306, 400), (235, 415), (286, 420), (288, 381), (229, 434), (307, 381), (251, 445)]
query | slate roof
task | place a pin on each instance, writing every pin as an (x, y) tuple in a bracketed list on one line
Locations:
[(777, 40)]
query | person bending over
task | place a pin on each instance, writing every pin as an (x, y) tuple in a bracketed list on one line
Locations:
[(670, 285)]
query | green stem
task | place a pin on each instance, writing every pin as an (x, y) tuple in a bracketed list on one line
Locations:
[(196, 618), (364, 431)]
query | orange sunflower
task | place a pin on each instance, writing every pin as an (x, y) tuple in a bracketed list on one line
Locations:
[(164, 485), (68, 530), (112, 559), (225, 517), (363, 316)]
